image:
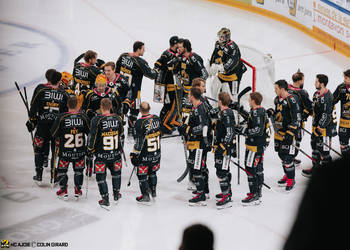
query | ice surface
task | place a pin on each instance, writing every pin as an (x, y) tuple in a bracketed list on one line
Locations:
[(37, 35)]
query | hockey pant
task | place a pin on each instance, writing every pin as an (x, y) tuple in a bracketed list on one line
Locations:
[(320, 152), (197, 164), (287, 153), (147, 175), (344, 137), (222, 165), (41, 146), (255, 171), (62, 169), (115, 168)]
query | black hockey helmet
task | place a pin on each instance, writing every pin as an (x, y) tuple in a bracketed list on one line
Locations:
[(173, 40)]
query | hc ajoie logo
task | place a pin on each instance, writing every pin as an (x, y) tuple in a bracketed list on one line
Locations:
[(5, 244)]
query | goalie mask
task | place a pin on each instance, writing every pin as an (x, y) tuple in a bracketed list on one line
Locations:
[(224, 35)]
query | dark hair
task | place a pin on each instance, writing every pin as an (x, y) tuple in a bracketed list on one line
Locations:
[(173, 40), (197, 237), (145, 107), (106, 104), (187, 45), (196, 82), (282, 84), (322, 79), (49, 73), (72, 102), (137, 45), (347, 73), (89, 55), (225, 98), (297, 76), (56, 78), (196, 93), (256, 97), (112, 64)]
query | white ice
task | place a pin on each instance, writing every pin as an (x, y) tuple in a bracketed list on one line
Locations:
[(37, 35)]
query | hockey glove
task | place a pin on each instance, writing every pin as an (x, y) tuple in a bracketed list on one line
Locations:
[(31, 125), (183, 129), (135, 160), (318, 131), (234, 105), (221, 149), (100, 63), (207, 144), (125, 108), (288, 139), (270, 112), (241, 130)]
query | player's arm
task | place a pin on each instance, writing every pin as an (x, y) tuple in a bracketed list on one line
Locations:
[(257, 123), (326, 116), (78, 58), (229, 124), (147, 71), (92, 137), (233, 58), (199, 68), (336, 94), (294, 114), (139, 135)]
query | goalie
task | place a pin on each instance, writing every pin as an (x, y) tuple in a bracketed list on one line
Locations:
[(225, 66)]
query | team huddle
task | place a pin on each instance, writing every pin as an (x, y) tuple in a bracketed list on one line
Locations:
[(81, 117)]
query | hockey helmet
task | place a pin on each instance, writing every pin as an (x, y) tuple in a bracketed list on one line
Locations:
[(101, 79), (224, 35), (66, 77)]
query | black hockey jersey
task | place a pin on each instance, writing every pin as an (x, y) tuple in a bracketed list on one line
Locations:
[(258, 131), (230, 56), (304, 101), (147, 138), (134, 67), (190, 68), (165, 75), (105, 137), (224, 129), (71, 129), (85, 75), (287, 116), (119, 84), (324, 113), (342, 94), (47, 103)]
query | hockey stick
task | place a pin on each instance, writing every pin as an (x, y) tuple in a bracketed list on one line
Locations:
[(186, 156), (143, 142), (170, 136), (242, 93), (25, 102), (247, 172), (298, 148), (335, 151)]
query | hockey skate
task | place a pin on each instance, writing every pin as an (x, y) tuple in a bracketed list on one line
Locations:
[(218, 197), (143, 199), (306, 172), (116, 196), (198, 200), (207, 196), (290, 184), (225, 202), (104, 202), (62, 194), (77, 193), (37, 180), (251, 199), (282, 182)]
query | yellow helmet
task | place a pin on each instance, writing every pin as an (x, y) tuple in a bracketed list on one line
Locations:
[(66, 77), (224, 35), (101, 78)]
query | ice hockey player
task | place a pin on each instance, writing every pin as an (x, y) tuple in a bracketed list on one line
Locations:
[(47, 103), (116, 81), (147, 152), (188, 65), (134, 67), (91, 104), (85, 73), (257, 133), (323, 124), (286, 118), (170, 111), (104, 142), (196, 134), (225, 148), (66, 84), (226, 65), (71, 129), (342, 94), (297, 89)]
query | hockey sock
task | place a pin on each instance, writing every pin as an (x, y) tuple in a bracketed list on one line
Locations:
[(152, 180), (102, 184), (143, 184), (62, 177), (199, 182), (289, 169), (116, 180), (78, 178)]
